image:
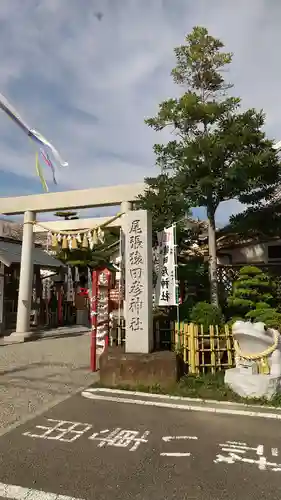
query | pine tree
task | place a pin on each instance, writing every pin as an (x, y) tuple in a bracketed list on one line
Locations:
[(217, 152), (67, 215)]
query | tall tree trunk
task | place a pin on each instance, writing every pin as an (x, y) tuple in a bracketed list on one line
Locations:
[(213, 259)]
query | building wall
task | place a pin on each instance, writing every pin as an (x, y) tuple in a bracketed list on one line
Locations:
[(251, 254), (9, 229)]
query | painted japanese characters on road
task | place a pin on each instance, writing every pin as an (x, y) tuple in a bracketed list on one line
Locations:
[(67, 432), (235, 451), (230, 452)]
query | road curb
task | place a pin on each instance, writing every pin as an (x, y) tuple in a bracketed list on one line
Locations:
[(181, 403)]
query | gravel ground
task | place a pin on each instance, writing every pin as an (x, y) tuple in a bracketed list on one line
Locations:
[(37, 375)]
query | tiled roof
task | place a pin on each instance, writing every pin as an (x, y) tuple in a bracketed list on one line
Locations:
[(10, 253)]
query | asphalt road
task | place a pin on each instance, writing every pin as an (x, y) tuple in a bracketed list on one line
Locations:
[(81, 449)]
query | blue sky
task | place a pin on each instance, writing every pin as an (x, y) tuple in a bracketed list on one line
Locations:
[(87, 85)]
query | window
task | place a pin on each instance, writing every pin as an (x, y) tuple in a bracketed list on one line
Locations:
[(274, 252)]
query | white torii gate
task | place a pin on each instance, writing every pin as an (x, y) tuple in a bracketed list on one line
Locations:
[(139, 334)]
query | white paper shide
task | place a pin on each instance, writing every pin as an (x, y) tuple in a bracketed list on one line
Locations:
[(165, 293)]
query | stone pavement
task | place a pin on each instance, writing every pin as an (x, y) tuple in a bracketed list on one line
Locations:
[(37, 333), (37, 375)]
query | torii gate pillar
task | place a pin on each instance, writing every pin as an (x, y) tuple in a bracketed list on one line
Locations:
[(26, 277)]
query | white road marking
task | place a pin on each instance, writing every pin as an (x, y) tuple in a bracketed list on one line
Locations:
[(206, 407), (19, 493), (60, 430), (167, 439), (175, 454), (238, 443)]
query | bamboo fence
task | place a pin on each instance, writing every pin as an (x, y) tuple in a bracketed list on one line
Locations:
[(204, 352)]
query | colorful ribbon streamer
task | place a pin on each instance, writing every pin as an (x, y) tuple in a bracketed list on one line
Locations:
[(37, 137), (40, 173), (47, 160), (32, 133)]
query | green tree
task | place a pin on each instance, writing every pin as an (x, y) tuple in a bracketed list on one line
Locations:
[(168, 206), (218, 152), (252, 290), (67, 215), (163, 200), (251, 221)]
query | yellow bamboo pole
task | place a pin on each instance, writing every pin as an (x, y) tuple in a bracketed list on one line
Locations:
[(185, 342), (197, 350), (213, 349), (218, 349), (188, 341), (201, 348), (192, 366)]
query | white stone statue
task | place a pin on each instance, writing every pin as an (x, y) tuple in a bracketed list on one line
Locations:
[(258, 361)]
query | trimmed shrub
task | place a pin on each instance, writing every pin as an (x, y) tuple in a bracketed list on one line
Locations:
[(252, 287), (206, 314), (252, 298)]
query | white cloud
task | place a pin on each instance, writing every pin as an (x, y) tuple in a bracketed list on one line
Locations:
[(87, 85)]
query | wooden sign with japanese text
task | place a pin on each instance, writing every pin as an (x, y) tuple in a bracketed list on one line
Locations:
[(165, 293)]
